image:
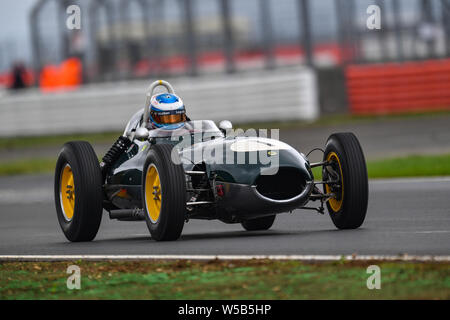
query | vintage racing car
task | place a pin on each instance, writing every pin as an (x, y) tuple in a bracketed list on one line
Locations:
[(201, 171)]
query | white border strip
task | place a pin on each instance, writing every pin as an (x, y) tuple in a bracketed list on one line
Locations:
[(424, 258), (410, 179)]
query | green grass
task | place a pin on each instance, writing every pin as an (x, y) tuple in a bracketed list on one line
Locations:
[(109, 137), (415, 165), (409, 166), (339, 119), (56, 140), (254, 279), (27, 166)]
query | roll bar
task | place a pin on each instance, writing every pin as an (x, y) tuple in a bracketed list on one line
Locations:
[(149, 94)]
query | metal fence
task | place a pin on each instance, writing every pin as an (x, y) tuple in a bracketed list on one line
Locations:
[(126, 39)]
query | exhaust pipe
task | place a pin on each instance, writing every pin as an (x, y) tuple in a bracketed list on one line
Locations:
[(135, 214)]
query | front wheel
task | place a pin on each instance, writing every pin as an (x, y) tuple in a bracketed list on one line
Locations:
[(78, 191), (347, 176), (163, 193)]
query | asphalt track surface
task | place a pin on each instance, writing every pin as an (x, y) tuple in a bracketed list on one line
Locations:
[(405, 216)]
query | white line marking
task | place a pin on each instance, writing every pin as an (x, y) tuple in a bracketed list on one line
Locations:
[(410, 180), (433, 231), (423, 232), (424, 258)]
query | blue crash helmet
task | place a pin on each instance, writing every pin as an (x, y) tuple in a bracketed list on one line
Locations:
[(167, 111)]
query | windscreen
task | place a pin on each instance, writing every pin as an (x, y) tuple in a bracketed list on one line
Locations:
[(189, 128)]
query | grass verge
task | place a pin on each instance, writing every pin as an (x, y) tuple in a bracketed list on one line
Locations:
[(254, 279), (56, 140), (109, 137), (340, 119), (27, 166), (410, 166)]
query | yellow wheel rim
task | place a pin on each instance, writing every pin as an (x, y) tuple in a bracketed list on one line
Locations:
[(335, 204), (67, 192), (153, 193)]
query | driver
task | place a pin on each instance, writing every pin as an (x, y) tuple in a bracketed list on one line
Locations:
[(167, 111)]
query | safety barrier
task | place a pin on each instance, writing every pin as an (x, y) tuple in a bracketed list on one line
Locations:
[(263, 96), (396, 88)]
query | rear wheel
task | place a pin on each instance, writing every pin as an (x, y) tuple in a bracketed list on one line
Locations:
[(78, 191), (163, 194), (263, 223), (347, 176)]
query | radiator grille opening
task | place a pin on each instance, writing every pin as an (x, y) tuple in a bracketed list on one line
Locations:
[(285, 184)]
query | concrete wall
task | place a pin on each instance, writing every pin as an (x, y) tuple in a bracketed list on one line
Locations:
[(286, 94)]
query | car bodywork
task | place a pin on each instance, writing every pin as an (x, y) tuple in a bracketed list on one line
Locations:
[(229, 177), (199, 171)]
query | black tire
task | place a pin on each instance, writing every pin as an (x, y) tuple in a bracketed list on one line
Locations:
[(167, 221), (348, 209), (263, 223), (84, 207)]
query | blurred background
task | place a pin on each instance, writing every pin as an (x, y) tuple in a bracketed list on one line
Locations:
[(264, 62)]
